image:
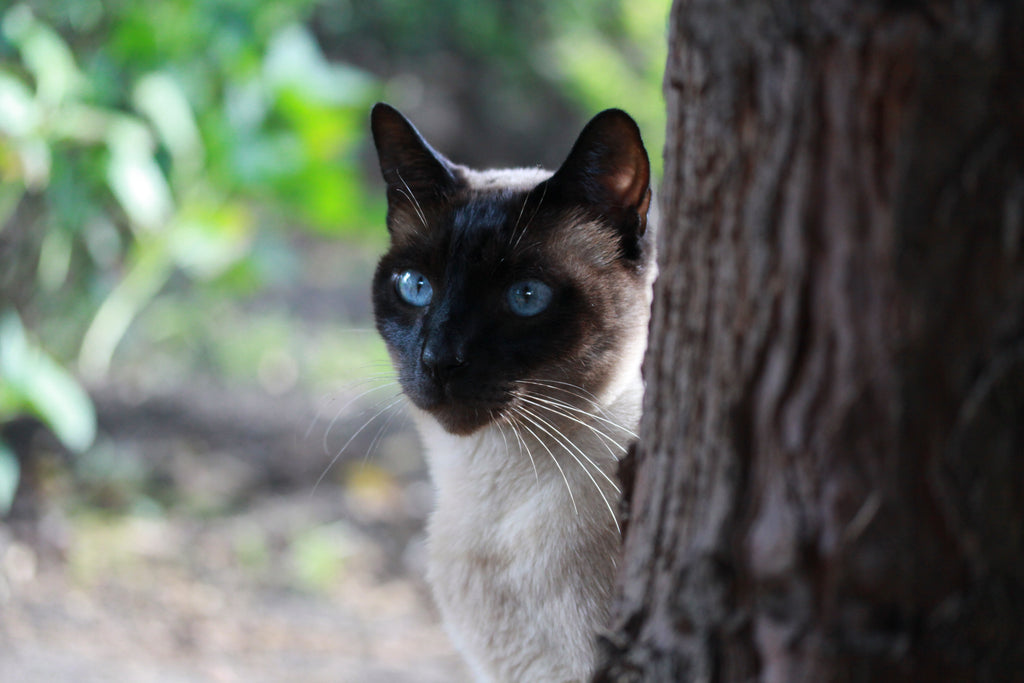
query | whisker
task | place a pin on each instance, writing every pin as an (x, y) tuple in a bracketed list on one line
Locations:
[(415, 203), (327, 398), (337, 415), (523, 447), (503, 439), (395, 401), (526, 200), (380, 434), (577, 409), (553, 459), (533, 215), (553, 407), (587, 413), (568, 388), (565, 441)]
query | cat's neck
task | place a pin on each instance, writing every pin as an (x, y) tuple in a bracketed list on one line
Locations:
[(524, 519), (508, 463)]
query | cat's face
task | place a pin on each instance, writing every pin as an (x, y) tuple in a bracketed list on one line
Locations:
[(505, 288)]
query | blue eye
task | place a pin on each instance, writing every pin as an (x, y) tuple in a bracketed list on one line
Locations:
[(414, 288), (528, 297)]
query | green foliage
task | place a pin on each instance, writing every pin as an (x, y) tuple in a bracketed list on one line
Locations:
[(32, 382), (613, 54), (521, 69), (163, 131), (174, 150), (159, 138), (35, 383)]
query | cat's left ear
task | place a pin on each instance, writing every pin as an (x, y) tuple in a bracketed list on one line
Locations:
[(608, 168)]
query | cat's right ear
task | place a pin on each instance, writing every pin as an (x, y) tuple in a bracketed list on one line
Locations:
[(608, 168), (416, 174)]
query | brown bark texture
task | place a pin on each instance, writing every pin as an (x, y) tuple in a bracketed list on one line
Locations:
[(829, 482)]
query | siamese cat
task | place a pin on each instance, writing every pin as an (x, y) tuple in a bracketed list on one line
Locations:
[(514, 305)]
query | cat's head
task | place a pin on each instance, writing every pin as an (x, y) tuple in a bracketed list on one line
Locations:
[(502, 289)]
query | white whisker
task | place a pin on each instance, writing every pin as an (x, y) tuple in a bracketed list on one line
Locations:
[(338, 413), (395, 400), (586, 413), (533, 215), (523, 447), (564, 441), (380, 434), (412, 198), (503, 439), (577, 409), (567, 387), (559, 409), (553, 459), (562, 438), (515, 227), (361, 382)]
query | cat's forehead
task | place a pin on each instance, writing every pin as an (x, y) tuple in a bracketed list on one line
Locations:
[(492, 205), (499, 231), (505, 218), (490, 226)]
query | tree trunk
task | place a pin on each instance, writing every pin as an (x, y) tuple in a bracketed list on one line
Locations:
[(829, 483)]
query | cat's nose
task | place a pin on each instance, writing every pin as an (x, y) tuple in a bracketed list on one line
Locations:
[(440, 362)]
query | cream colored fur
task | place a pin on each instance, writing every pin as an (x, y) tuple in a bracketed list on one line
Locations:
[(521, 571), (523, 541)]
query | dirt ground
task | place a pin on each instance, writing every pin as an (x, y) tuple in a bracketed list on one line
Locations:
[(242, 576), (167, 602)]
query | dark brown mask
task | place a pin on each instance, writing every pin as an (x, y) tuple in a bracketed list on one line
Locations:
[(499, 285)]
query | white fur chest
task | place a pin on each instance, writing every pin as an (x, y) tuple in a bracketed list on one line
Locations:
[(521, 568)]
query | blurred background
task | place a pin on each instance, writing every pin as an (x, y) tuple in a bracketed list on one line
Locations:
[(205, 473)]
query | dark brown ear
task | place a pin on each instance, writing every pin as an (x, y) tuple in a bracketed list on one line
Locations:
[(608, 169), (417, 176)]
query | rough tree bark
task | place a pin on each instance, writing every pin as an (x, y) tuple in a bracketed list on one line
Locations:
[(829, 483)]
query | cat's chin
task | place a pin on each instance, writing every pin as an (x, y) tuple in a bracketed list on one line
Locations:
[(460, 419), (462, 415), (462, 422)]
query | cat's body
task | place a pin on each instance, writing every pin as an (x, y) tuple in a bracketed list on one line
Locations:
[(523, 580), (514, 304)]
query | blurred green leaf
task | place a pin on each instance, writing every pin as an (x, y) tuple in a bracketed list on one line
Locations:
[(164, 103), (83, 123), (294, 61), (148, 270), (10, 192), (36, 383), (178, 151), (618, 62), (19, 113), (24, 154), (135, 178), (46, 55), (207, 238)]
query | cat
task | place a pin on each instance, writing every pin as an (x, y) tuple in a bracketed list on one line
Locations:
[(514, 307)]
